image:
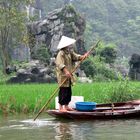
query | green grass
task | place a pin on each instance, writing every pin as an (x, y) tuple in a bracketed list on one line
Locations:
[(103, 92), (24, 98), (29, 98)]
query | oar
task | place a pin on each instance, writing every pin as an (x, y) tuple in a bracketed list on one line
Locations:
[(53, 94)]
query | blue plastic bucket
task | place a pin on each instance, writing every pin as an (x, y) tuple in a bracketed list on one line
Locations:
[(85, 106)]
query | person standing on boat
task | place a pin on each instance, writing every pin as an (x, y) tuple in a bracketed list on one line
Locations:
[(65, 60)]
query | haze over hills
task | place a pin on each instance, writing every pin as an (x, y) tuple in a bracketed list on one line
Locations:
[(114, 21)]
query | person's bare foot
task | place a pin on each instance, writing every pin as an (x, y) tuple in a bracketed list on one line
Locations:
[(62, 110), (69, 109)]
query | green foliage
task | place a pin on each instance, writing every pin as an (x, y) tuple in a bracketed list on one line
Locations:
[(89, 68), (100, 77), (107, 53), (3, 78), (97, 66), (121, 92), (30, 98), (123, 61), (88, 35), (112, 20), (13, 18), (42, 54), (70, 8), (104, 72), (12, 27)]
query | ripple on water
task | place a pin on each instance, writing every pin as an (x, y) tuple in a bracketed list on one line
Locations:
[(9, 127), (39, 122), (28, 124)]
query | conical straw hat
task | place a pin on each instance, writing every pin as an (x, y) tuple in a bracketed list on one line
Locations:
[(65, 41)]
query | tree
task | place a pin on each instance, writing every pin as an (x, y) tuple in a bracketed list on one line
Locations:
[(42, 53), (107, 53), (88, 67), (12, 27)]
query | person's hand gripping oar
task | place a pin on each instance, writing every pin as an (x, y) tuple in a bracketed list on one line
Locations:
[(53, 94), (67, 73)]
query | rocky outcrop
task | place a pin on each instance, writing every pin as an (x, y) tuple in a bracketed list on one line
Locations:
[(65, 21), (34, 72), (134, 71)]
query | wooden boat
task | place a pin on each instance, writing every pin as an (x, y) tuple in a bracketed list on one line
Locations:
[(130, 109)]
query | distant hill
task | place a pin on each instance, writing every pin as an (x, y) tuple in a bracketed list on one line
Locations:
[(114, 21)]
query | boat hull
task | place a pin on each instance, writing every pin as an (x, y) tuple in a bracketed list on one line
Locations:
[(102, 111)]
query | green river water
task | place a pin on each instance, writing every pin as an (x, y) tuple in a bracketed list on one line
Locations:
[(47, 128)]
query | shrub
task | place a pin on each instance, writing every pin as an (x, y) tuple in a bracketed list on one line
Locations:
[(42, 54), (121, 93), (89, 68), (108, 54), (99, 77), (107, 72)]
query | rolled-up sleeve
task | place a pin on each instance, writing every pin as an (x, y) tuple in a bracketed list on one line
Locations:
[(75, 56), (60, 60)]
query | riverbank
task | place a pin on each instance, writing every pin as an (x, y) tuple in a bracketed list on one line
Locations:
[(30, 98)]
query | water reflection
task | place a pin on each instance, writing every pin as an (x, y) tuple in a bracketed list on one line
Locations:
[(63, 131), (51, 129), (101, 130)]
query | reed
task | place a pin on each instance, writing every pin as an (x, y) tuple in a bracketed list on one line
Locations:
[(29, 98)]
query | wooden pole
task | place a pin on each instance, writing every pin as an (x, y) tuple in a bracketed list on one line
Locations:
[(53, 94)]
